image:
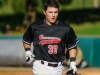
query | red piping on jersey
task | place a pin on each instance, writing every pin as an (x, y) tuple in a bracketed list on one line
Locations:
[(49, 40), (42, 42)]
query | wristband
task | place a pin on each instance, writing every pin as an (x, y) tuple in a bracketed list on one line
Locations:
[(72, 59), (27, 49)]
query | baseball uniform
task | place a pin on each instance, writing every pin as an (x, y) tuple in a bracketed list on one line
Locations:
[(49, 44)]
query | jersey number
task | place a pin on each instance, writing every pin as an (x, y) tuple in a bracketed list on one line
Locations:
[(52, 49)]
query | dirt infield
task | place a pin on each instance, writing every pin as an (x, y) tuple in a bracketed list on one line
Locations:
[(28, 71)]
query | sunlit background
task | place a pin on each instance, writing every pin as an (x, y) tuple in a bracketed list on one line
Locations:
[(16, 15)]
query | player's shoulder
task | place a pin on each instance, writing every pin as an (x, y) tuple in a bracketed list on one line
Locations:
[(37, 23), (63, 24)]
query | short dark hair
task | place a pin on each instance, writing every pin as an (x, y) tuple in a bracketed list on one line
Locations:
[(51, 3)]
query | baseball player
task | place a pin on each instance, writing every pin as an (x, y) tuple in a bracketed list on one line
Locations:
[(50, 37)]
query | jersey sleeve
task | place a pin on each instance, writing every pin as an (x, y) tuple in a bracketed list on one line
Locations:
[(28, 35), (72, 40)]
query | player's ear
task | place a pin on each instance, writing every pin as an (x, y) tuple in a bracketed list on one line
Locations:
[(44, 12)]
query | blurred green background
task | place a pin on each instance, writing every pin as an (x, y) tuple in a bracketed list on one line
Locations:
[(82, 15)]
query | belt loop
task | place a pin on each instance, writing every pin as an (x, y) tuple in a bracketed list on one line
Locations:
[(50, 64), (42, 62)]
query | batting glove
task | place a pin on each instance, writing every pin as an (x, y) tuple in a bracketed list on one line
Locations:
[(73, 67), (29, 56)]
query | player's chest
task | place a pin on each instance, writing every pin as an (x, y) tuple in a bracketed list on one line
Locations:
[(50, 31)]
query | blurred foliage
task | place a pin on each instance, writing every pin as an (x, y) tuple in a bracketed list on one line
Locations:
[(18, 6), (11, 20), (66, 2), (32, 4), (11, 13), (80, 15), (77, 16), (2, 2), (71, 11), (8, 7)]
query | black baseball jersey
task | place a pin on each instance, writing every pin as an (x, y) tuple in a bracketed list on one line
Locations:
[(50, 41)]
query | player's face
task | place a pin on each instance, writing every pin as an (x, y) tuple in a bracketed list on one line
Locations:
[(51, 15)]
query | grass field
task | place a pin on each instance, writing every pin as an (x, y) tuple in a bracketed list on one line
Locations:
[(87, 29)]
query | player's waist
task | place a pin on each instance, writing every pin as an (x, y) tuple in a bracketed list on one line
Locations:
[(52, 64)]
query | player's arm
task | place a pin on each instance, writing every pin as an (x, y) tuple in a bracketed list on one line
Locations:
[(26, 45), (72, 44), (72, 47), (73, 54), (27, 39), (28, 53)]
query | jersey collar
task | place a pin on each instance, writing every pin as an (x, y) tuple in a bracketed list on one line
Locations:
[(55, 23)]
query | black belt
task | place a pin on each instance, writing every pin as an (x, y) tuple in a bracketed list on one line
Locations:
[(50, 64)]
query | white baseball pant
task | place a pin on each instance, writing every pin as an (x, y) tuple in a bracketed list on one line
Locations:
[(43, 69)]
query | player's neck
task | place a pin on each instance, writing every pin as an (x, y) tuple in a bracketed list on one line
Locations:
[(48, 23)]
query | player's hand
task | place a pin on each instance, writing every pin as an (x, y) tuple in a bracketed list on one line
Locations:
[(73, 67), (29, 57)]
